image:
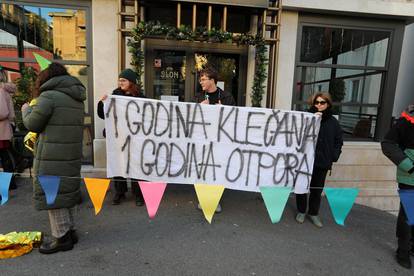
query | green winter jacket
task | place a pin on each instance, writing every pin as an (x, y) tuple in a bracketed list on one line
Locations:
[(398, 146), (58, 119)]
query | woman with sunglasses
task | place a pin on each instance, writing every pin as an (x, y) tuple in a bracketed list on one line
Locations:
[(328, 149)]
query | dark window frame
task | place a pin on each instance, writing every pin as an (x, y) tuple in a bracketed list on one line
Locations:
[(389, 70), (85, 5)]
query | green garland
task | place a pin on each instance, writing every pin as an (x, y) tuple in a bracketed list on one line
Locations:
[(156, 29)]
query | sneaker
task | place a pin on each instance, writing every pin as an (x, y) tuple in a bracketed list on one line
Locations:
[(218, 209), (117, 199), (300, 218), (316, 220), (403, 258)]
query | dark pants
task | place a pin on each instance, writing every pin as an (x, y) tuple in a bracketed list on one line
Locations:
[(7, 164), (318, 182), (121, 187), (405, 232)]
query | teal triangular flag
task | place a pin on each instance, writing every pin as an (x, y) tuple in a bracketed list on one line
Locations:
[(275, 199), (341, 201), (50, 185), (407, 201), (5, 179), (43, 62)]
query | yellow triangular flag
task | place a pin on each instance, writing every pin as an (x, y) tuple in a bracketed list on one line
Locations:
[(97, 188), (209, 196)]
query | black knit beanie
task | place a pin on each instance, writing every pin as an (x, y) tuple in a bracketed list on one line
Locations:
[(129, 75)]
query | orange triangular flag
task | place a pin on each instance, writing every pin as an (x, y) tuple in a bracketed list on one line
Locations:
[(97, 188), (209, 197)]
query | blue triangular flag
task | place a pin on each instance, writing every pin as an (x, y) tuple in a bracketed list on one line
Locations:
[(341, 201), (5, 179), (50, 185), (407, 201), (275, 199)]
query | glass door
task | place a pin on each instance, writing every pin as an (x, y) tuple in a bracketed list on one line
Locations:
[(227, 66), (168, 75)]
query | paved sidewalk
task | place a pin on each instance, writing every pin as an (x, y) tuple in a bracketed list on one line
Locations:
[(121, 240)]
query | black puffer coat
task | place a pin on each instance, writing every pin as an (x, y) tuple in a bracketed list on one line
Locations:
[(330, 141)]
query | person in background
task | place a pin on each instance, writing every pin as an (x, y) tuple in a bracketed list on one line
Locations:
[(127, 86), (398, 146), (57, 117), (328, 150), (7, 117), (211, 94)]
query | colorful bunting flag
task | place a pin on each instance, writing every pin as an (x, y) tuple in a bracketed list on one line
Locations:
[(407, 201), (209, 196), (152, 193), (97, 188), (50, 186), (5, 179), (275, 199), (341, 201), (43, 62)]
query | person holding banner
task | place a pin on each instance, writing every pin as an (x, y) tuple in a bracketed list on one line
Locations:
[(328, 150), (211, 94), (127, 86), (398, 146), (57, 117)]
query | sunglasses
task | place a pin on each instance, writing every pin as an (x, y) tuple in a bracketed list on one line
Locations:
[(320, 102)]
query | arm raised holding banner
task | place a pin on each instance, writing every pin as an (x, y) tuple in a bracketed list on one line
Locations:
[(328, 149), (212, 94), (127, 86)]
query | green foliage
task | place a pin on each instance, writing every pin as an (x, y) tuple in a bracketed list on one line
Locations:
[(156, 29), (25, 85)]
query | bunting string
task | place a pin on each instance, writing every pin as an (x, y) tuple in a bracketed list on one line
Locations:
[(24, 175)]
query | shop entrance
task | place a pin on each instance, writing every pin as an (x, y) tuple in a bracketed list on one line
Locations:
[(174, 71)]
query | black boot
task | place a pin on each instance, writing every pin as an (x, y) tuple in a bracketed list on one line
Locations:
[(13, 185), (403, 258), (52, 245), (139, 200), (74, 236), (117, 199)]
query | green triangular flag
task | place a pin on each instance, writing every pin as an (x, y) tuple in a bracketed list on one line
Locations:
[(43, 63), (275, 199), (341, 201)]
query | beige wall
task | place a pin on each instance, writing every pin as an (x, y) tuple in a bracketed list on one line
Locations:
[(105, 64), (401, 8), (363, 165), (286, 63)]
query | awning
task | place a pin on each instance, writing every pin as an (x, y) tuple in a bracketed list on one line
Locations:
[(243, 3)]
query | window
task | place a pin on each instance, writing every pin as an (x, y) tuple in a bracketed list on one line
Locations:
[(350, 64), (56, 33)]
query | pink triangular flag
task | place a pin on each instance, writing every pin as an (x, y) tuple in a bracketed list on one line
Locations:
[(152, 193)]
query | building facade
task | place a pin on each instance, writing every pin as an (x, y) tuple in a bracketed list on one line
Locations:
[(357, 50)]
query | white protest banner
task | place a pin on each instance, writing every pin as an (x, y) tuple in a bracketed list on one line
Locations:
[(241, 148)]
